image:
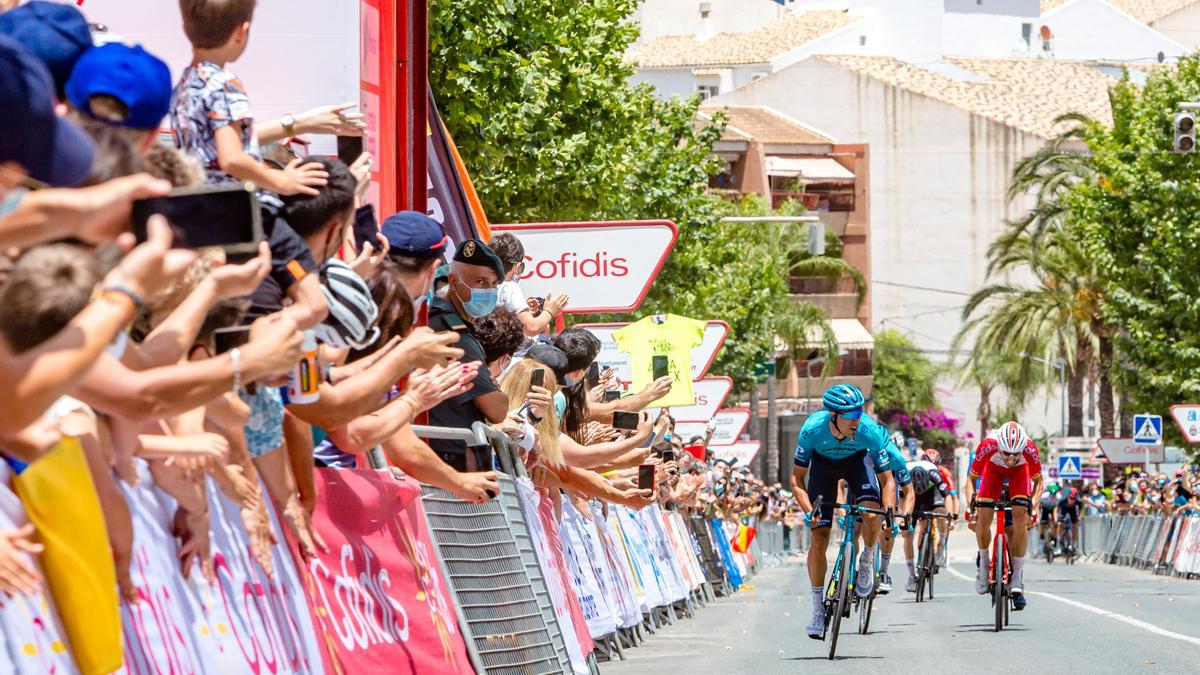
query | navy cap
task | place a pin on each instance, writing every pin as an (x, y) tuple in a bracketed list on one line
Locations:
[(415, 235), (54, 32), (130, 74), (475, 252), (49, 147)]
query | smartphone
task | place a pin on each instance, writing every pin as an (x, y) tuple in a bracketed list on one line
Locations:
[(626, 421), (646, 477), (349, 149), (366, 232), (612, 395), (537, 378), (660, 366), (593, 375), (226, 216), (225, 339), (668, 455)]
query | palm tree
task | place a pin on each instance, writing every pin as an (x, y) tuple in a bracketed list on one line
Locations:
[(995, 373)]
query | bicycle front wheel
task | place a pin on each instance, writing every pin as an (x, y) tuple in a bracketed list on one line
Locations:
[(927, 554), (845, 588)]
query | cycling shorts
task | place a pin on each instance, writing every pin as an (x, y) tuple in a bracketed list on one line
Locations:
[(1047, 515), (1068, 516), (994, 476), (824, 474), (929, 501)]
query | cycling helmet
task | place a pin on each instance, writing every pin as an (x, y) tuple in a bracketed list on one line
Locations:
[(920, 477), (843, 398), (898, 439), (1011, 438), (1074, 493), (1053, 488), (933, 456), (352, 311)]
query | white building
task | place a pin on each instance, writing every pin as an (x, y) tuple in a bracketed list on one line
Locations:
[(1179, 20), (943, 139), (704, 18), (917, 31)]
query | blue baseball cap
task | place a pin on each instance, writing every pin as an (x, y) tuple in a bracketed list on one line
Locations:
[(49, 147), (128, 73), (54, 32), (416, 235)]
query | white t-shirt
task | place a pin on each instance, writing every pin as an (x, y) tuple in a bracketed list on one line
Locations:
[(511, 297)]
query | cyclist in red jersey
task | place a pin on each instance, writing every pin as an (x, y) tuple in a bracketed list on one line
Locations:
[(1006, 454)]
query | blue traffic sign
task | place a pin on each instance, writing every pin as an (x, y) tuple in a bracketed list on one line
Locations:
[(1147, 429), (1069, 467)]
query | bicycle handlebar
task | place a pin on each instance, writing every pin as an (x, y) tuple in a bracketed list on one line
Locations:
[(854, 509)]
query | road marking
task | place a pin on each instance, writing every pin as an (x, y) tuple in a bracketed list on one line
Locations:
[(1138, 623)]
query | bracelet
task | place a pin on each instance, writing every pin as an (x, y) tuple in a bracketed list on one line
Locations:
[(235, 355), (121, 289)]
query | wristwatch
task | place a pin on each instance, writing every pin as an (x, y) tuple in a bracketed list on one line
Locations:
[(289, 124)]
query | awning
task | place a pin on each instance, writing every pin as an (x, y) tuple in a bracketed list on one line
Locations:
[(809, 168), (850, 334)]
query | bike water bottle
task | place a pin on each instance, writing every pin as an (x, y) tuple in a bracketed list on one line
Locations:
[(304, 384)]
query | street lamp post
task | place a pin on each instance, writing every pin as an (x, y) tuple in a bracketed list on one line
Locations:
[(1061, 367)]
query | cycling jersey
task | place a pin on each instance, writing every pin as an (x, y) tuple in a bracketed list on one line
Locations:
[(899, 467), (989, 466), (829, 460), (815, 439), (948, 479), (1068, 511), (1046, 506)]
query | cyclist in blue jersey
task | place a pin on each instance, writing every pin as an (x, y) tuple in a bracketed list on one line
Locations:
[(905, 497), (841, 443)]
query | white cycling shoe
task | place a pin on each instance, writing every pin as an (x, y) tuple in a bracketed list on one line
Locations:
[(885, 584), (865, 582), (816, 625), (981, 577), (911, 584)]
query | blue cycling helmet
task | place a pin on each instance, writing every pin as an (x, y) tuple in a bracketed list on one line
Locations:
[(843, 398)]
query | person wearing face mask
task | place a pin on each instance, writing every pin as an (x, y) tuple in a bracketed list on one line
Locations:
[(417, 244), (470, 295)]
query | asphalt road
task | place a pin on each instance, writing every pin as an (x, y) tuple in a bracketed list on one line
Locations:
[(1090, 617)]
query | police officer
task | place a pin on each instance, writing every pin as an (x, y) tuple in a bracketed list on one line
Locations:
[(470, 294)]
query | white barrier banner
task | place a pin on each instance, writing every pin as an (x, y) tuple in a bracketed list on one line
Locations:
[(247, 622), (1187, 554), (651, 518), (621, 571), (553, 573), (588, 588), (650, 584)]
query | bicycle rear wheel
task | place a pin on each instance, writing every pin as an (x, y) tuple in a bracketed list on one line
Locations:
[(864, 613), (930, 562), (845, 588)]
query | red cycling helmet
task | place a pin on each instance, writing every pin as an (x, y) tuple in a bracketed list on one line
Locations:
[(933, 456), (1074, 493)]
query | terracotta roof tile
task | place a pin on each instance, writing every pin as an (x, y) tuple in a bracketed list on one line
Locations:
[(724, 49), (1146, 11), (765, 125), (1027, 94)]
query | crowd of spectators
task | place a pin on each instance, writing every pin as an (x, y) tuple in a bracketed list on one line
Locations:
[(177, 365), (1144, 493)]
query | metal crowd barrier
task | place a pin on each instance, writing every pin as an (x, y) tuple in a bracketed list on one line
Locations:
[(1163, 544), (488, 558)]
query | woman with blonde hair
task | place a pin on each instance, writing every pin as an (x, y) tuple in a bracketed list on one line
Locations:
[(516, 385)]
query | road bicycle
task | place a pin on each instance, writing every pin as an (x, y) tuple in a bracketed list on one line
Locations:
[(926, 561), (1048, 548), (839, 593), (1067, 541), (1000, 566)]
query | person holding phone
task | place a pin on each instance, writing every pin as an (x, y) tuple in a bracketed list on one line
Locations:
[(512, 255)]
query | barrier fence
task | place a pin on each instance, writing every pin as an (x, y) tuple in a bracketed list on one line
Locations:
[(1163, 544), (414, 580)]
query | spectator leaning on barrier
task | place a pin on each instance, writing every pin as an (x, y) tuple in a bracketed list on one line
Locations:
[(471, 295)]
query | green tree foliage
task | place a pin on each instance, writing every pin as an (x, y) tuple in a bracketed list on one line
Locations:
[(1138, 218), (904, 377), (537, 97)]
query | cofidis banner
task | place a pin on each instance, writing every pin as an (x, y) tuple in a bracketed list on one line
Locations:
[(379, 602)]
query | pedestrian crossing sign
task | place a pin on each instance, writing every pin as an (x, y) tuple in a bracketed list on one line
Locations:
[(1068, 467), (1147, 429)]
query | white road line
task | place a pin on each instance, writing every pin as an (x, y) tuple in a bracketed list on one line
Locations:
[(1138, 623)]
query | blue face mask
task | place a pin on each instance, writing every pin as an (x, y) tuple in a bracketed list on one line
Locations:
[(481, 303)]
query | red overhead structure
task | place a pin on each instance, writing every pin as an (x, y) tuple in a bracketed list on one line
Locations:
[(394, 74)]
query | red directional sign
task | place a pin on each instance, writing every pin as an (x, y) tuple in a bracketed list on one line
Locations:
[(731, 423), (602, 266)]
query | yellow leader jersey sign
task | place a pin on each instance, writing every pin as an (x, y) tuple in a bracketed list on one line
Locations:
[(663, 335)]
